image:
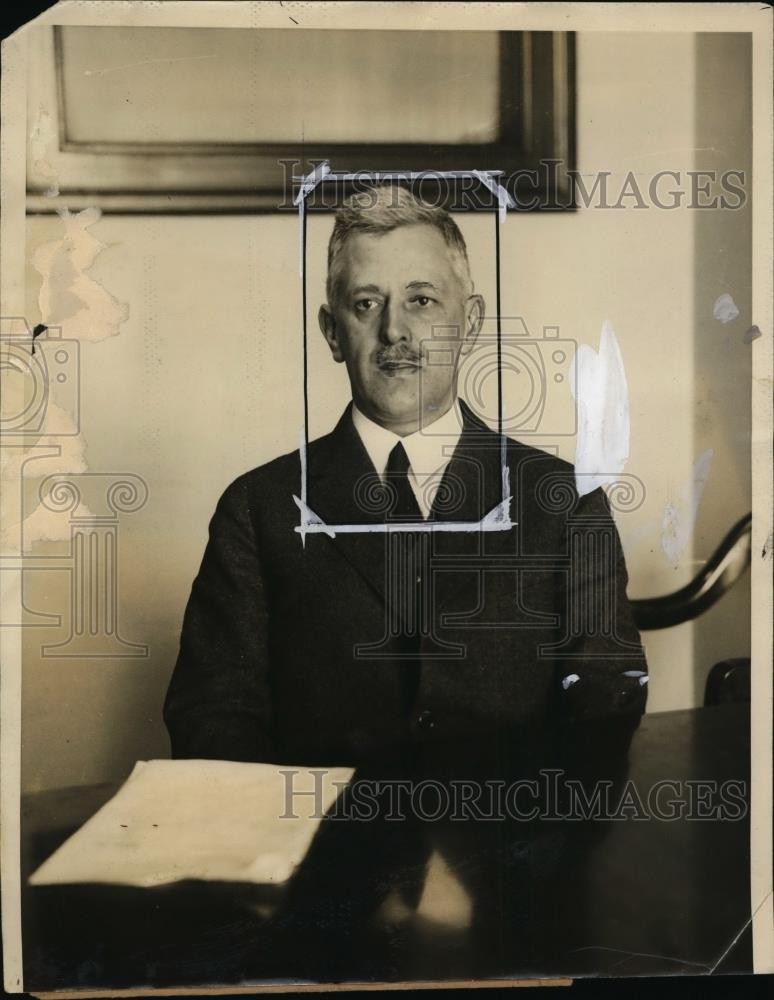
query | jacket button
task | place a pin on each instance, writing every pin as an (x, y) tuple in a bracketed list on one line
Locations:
[(425, 720)]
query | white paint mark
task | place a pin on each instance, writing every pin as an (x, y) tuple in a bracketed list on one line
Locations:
[(634, 673), (498, 519), (644, 680), (310, 182), (311, 522), (503, 198), (569, 680), (378, 176), (487, 177), (679, 517), (725, 310), (301, 245), (68, 295), (598, 382)]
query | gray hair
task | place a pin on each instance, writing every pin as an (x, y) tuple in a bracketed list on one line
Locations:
[(383, 208)]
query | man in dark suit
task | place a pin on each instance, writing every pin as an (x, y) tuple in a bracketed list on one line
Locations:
[(393, 635)]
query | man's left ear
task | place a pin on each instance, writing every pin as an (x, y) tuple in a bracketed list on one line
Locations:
[(474, 318), (327, 323)]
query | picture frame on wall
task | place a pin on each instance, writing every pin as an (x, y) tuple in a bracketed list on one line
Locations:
[(512, 108)]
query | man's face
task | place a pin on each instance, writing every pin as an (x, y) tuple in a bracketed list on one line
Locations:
[(401, 319)]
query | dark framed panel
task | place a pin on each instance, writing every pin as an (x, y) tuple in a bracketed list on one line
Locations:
[(213, 119)]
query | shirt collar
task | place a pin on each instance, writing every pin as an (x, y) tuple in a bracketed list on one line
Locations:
[(429, 449)]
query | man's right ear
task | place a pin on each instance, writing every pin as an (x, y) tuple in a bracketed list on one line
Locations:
[(327, 323)]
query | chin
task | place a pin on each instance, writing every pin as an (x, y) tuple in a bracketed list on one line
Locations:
[(397, 406), (400, 416)]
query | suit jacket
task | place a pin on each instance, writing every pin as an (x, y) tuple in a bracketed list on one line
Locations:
[(289, 650)]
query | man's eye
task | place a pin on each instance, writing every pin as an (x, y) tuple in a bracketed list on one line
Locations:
[(423, 301), (365, 305)]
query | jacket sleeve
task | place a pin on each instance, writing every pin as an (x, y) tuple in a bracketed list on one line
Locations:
[(600, 669), (218, 705)]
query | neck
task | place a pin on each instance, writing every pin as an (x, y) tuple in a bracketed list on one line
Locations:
[(408, 426)]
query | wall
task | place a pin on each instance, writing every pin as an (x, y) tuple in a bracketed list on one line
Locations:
[(722, 360), (196, 387)]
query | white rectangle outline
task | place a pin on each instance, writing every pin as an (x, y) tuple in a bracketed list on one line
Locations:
[(497, 519)]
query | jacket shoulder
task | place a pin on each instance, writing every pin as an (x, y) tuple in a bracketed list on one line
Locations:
[(525, 454), (551, 481), (280, 476)]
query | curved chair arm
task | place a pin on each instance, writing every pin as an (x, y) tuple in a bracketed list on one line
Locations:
[(720, 573)]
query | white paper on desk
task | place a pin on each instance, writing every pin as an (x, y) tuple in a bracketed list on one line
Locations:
[(198, 819)]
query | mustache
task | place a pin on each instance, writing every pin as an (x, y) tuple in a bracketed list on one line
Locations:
[(398, 355)]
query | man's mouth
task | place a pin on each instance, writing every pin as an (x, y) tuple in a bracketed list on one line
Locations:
[(398, 365)]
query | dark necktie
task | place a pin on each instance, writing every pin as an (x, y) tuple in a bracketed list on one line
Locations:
[(405, 553), (405, 507)]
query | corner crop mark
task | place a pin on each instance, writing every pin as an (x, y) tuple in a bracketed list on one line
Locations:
[(497, 519)]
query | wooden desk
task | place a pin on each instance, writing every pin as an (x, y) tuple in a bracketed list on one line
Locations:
[(642, 897)]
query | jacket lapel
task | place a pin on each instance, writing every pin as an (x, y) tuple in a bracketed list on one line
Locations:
[(476, 472), (343, 489)]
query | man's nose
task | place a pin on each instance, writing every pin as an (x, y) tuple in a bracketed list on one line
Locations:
[(393, 327)]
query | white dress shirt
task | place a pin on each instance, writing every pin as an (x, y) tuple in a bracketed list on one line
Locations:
[(429, 450)]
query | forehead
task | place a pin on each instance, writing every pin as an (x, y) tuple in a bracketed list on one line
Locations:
[(408, 253)]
